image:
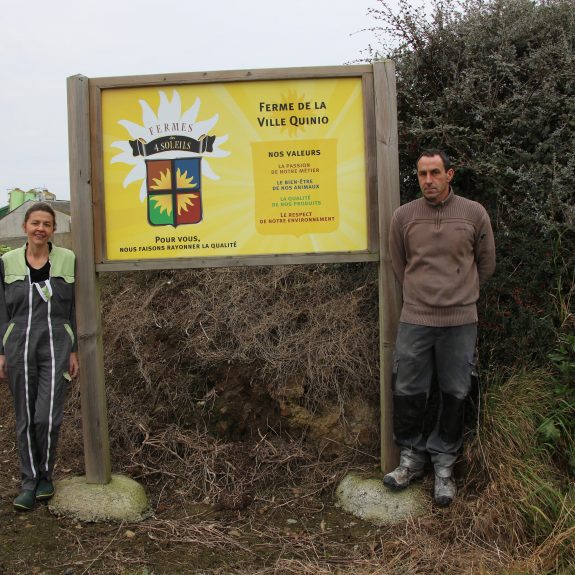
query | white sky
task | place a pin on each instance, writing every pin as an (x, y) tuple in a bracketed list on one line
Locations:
[(44, 42)]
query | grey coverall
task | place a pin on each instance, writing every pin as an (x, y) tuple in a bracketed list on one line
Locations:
[(37, 325)]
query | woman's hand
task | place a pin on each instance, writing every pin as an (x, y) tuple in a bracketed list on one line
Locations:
[(3, 367), (74, 367)]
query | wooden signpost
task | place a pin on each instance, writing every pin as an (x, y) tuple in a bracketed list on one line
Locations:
[(234, 168)]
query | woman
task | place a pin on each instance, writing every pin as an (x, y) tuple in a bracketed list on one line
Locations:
[(38, 348)]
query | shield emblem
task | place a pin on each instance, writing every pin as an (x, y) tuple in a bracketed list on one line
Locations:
[(174, 191)]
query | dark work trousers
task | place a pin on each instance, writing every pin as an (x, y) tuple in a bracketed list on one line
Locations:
[(419, 350), (38, 354)]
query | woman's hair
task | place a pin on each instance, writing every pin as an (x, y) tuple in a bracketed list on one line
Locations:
[(40, 207)]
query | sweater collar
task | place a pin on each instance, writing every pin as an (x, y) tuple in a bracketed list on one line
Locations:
[(443, 203)]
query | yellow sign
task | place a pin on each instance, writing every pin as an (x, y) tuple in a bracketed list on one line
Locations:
[(234, 169)]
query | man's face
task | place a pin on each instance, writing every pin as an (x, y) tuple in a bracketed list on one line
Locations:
[(433, 178)]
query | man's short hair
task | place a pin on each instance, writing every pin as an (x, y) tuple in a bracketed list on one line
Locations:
[(430, 152)]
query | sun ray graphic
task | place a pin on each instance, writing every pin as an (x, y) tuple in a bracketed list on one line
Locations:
[(163, 203), (183, 181), (164, 182), (295, 99), (185, 201)]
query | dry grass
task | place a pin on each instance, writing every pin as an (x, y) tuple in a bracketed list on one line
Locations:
[(294, 326), (308, 335), (199, 372)]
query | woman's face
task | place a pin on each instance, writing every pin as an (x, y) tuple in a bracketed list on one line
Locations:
[(39, 227)]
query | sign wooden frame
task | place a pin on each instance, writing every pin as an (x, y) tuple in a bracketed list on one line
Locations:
[(87, 185), (99, 85)]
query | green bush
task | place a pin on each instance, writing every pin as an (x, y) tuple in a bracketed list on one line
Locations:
[(493, 83)]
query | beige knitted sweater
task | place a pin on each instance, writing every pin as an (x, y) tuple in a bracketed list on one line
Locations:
[(441, 254)]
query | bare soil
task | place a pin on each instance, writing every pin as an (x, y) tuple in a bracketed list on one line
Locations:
[(242, 528), (182, 539), (250, 520), (245, 527)]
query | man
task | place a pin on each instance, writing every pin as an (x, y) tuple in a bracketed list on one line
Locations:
[(442, 250)]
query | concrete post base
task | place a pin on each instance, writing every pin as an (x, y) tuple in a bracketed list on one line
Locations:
[(123, 499), (368, 499)]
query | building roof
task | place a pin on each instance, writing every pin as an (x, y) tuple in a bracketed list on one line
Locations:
[(62, 206)]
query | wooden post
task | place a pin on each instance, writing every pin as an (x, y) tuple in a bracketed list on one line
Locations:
[(389, 290), (94, 416)]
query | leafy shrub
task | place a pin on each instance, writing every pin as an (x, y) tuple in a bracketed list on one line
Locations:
[(493, 83)]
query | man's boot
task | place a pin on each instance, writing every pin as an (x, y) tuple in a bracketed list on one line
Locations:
[(401, 477), (444, 490)]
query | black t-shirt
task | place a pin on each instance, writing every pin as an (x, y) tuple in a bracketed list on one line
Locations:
[(39, 275)]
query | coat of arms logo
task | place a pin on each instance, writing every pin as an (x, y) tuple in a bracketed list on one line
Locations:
[(174, 191), (170, 152)]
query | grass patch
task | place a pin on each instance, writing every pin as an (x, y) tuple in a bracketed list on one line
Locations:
[(531, 501)]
